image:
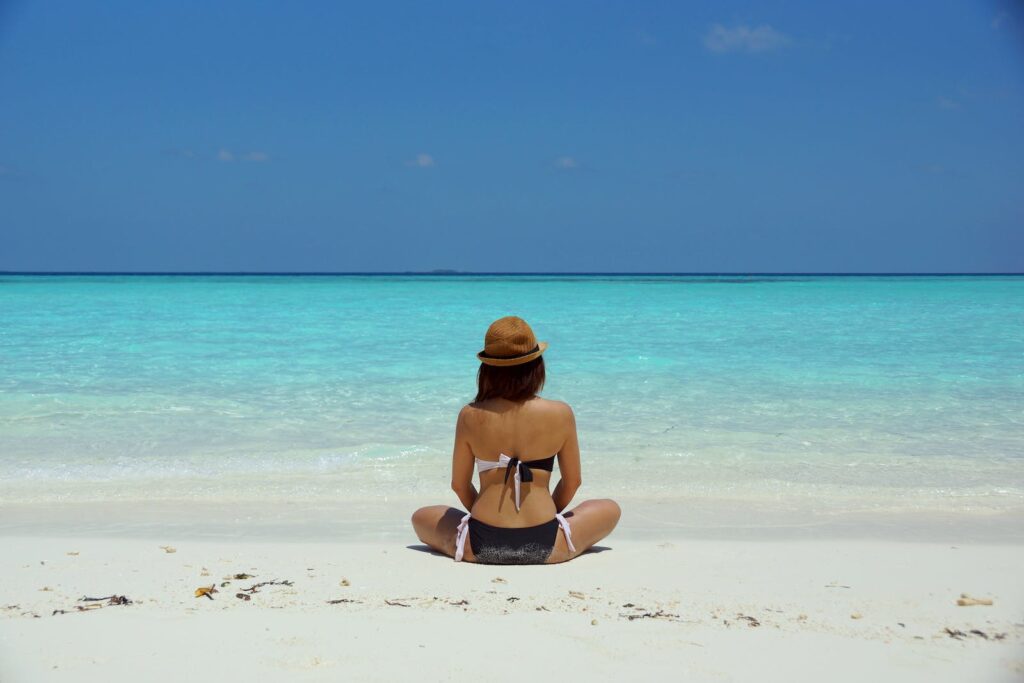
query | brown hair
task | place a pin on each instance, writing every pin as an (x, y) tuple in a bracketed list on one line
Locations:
[(513, 382)]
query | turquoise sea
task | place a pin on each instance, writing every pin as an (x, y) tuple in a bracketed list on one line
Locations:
[(830, 393)]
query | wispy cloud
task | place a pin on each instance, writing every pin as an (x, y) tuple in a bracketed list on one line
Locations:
[(645, 38), (227, 156), (947, 103), (999, 20), (934, 168), (422, 160), (764, 38), (9, 173), (566, 163)]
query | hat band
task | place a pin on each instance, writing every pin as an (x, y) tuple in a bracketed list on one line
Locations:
[(535, 349)]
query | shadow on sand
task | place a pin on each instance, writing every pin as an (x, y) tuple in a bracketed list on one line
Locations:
[(430, 551)]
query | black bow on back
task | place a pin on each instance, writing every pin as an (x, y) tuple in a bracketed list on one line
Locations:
[(525, 473)]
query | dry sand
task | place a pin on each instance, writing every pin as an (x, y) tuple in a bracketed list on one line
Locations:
[(780, 610)]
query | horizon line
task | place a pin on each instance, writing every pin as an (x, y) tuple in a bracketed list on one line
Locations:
[(457, 273)]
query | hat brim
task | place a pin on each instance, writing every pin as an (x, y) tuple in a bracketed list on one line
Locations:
[(518, 360)]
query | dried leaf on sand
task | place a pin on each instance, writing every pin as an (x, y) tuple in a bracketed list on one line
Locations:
[(206, 591)]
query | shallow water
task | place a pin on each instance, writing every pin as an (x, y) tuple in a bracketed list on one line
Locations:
[(827, 393)]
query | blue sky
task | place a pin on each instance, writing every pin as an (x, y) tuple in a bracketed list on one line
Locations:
[(496, 136)]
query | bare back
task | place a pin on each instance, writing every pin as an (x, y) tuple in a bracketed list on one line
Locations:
[(533, 430)]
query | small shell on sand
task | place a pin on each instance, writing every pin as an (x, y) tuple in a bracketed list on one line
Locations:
[(344, 582), (966, 600), (856, 615), (498, 579), (168, 549)]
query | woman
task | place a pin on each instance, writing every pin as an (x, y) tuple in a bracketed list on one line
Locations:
[(514, 436)]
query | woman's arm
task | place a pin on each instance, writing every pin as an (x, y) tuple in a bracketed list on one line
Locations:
[(462, 463), (568, 466)]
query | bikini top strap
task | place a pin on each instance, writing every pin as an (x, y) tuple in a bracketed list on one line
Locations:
[(519, 470)]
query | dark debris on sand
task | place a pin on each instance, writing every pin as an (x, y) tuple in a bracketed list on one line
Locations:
[(651, 615), (94, 603), (957, 634), (273, 582)]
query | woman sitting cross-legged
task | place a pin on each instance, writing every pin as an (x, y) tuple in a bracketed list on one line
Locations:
[(514, 437)]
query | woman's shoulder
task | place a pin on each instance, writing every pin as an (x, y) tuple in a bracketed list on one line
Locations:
[(536, 405), (551, 406)]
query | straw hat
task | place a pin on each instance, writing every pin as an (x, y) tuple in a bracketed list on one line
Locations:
[(510, 341)]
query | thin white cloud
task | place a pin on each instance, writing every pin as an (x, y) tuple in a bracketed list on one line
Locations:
[(11, 174), (180, 152), (764, 38), (566, 163), (421, 161), (999, 20), (645, 38), (226, 155), (947, 103)]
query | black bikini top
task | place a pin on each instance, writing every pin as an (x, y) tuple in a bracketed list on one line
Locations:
[(520, 471), (545, 464), (517, 464)]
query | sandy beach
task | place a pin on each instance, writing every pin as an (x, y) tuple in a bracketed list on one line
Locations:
[(275, 277), (699, 609)]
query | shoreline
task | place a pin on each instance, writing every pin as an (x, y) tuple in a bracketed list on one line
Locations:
[(387, 520)]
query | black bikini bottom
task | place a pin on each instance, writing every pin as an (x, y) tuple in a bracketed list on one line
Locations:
[(504, 545)]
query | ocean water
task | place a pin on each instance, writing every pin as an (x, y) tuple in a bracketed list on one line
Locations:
[(834, 394)]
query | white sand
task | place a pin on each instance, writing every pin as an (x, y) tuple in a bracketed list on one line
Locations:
[(535, 624)]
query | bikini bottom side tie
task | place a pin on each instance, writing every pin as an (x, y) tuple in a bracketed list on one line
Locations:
[(460, 537)]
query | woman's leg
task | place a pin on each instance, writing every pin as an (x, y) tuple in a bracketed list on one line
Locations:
[(590, 521), (435, 525)]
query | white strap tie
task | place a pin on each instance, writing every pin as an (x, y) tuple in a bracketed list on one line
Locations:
[(460, 537), (564, 523), (506, 461), (462, 531)]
